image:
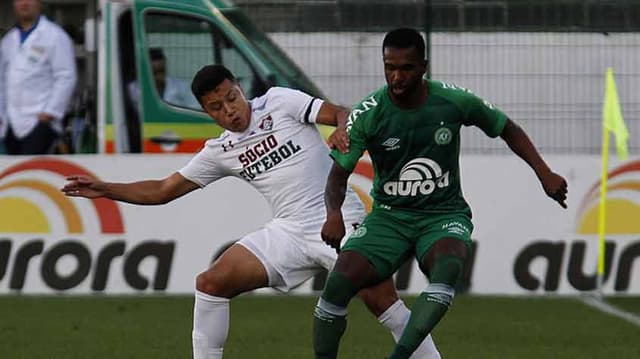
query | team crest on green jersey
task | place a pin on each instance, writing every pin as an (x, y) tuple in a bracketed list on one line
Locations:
[(359, 232), (443, 136)]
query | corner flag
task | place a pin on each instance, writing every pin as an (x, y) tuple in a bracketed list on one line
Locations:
[(613, 122), (612, 116)]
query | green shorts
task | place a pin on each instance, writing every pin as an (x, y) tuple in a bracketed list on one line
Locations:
[(388, 237)]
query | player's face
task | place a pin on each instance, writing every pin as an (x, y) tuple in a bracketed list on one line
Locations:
[(403, 70), (227, 105)]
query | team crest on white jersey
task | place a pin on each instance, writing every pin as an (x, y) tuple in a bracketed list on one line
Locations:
[(266, 124), (420, 176)]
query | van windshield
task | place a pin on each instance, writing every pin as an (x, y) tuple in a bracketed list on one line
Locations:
[(271, 51)]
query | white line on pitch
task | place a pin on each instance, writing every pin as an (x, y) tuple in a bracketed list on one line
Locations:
[(605, 307)]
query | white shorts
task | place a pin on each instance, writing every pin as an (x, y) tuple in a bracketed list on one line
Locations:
[(290, 254)]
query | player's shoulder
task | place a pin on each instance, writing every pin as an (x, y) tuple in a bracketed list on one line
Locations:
[(458, 95), (448, 89), (372, 99), (366, 110), (371, 103), (274, 97), (283, 93), (216, 142), (276, 91)]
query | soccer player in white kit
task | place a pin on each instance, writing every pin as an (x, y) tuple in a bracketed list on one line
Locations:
[(272, 143)]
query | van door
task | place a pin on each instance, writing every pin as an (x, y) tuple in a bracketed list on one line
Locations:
[(173, 41), (115, 37)]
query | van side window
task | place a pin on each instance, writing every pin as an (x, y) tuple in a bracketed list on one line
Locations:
[(178, 46)]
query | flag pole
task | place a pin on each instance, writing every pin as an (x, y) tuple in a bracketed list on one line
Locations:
[(602, 212), (612, 121)]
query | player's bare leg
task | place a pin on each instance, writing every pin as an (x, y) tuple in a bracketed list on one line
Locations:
[(382, 300), (236, 271)]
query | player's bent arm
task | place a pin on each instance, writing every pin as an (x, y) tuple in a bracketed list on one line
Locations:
[(519, 142), (554, 185), (332, 115), (335, 191)]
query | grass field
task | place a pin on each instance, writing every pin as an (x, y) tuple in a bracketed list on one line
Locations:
[(280, 327)]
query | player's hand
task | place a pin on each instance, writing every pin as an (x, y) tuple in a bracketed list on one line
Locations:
[(333, 231), (339, 139), (555, 186), (83, 186)]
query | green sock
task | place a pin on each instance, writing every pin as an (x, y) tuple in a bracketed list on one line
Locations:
[(327, 331), (330, 316), (400, 352), (425, 314), (430, 306)]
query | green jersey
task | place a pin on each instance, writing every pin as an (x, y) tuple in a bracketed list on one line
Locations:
[(415, 152)]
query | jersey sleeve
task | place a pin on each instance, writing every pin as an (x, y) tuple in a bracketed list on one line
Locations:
[(203, 168), (484, 115), (357, 143), (301, 106)]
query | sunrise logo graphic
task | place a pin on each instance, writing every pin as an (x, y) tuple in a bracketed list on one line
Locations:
[(31, 201), (623, 203), (362, 181)]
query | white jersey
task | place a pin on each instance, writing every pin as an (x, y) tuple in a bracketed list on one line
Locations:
[(281, 154)]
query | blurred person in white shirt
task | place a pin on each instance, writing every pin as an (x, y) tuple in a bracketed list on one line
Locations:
[(37, 76)]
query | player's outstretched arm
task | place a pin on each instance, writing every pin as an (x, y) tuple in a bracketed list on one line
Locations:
[(143, 192), (334, 115), (334, 193), (554, 185)]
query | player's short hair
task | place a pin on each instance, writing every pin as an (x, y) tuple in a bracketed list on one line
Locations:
[(208, 78), (404, 38)]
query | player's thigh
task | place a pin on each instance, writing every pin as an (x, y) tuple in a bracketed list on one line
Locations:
[(282, 248), (383, 241), (236, 271), (444, 234)]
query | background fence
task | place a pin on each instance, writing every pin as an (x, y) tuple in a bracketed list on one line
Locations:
[(542, 62)]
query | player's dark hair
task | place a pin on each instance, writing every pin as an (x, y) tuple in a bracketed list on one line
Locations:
[(404, 38), (208, 78)]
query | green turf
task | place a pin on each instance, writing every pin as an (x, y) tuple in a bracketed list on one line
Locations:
[(280, 327)]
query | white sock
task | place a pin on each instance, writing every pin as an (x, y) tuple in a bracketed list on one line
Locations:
[(395, 318), (210, 326)]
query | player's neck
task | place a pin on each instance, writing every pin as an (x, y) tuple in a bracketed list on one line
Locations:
[(412, 100)]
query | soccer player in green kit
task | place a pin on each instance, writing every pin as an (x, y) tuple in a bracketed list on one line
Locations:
[(411, 128)]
